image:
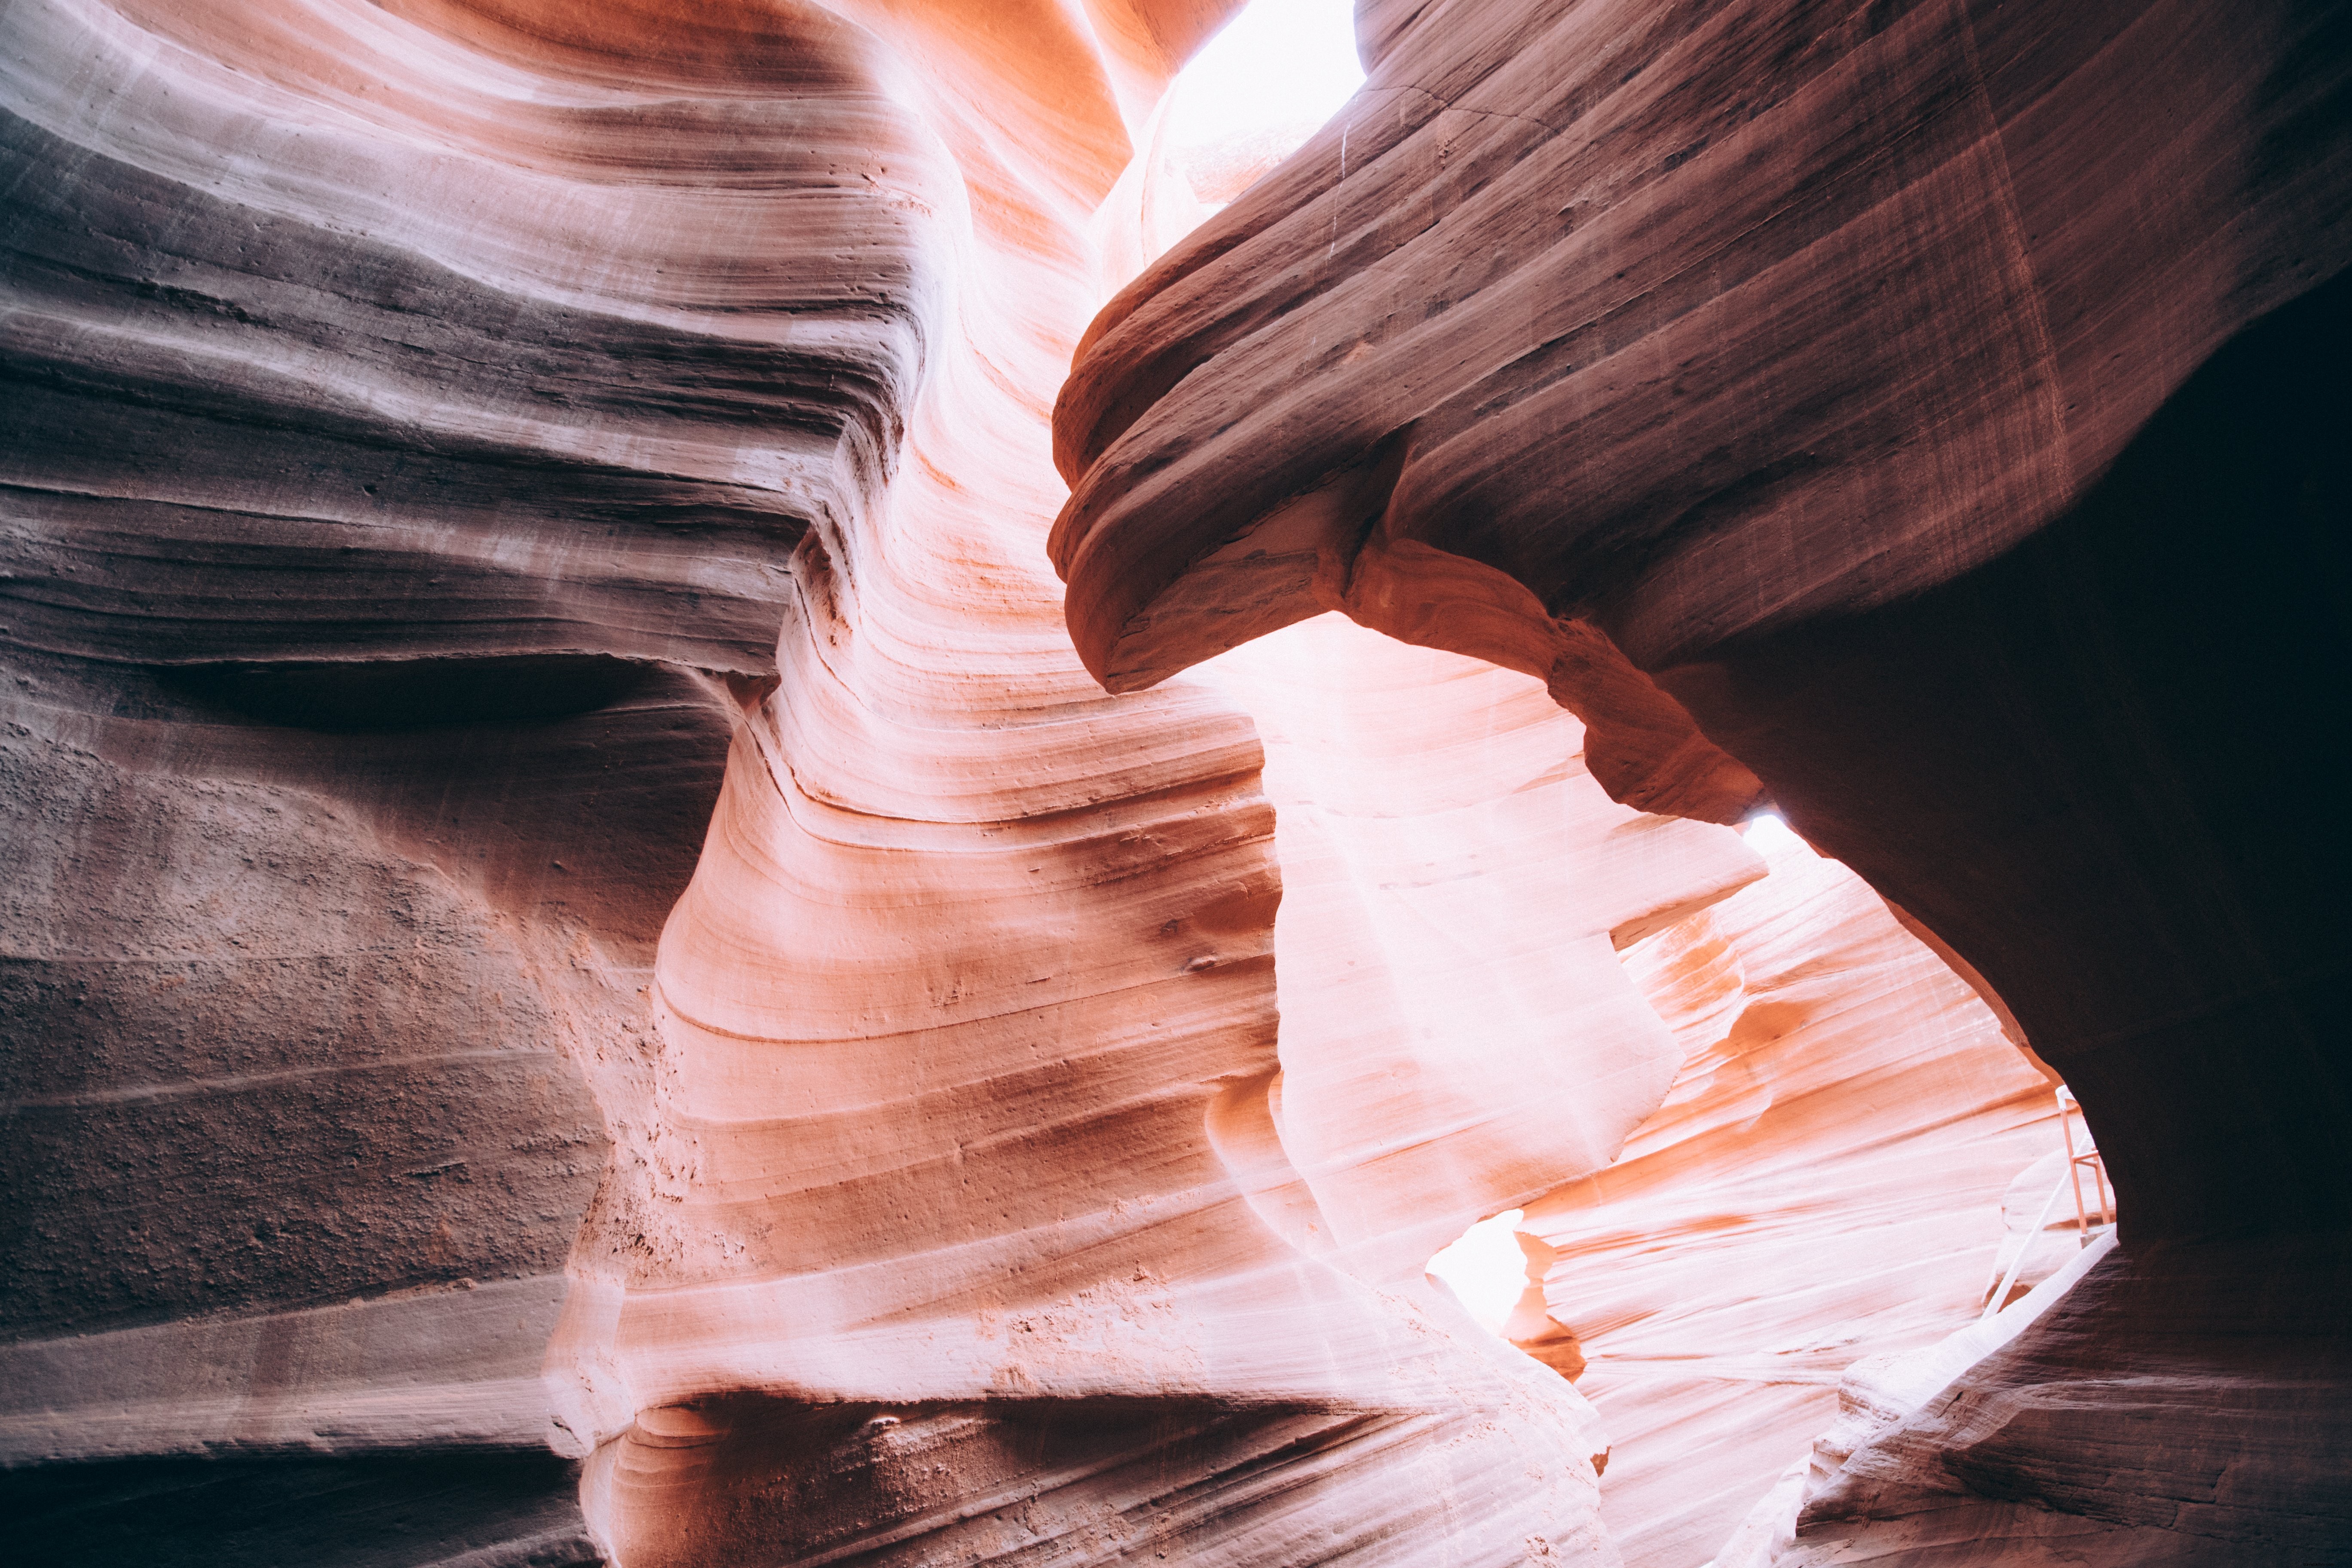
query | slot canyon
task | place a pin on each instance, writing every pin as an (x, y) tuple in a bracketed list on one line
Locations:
[(782, 784)]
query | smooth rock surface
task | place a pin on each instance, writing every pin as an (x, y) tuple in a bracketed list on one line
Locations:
[(1495, 457), (572, 899), (413, 416), (1926, 416), (586, 974), (968, 1024), (1443, 1056), (1823, 1185)]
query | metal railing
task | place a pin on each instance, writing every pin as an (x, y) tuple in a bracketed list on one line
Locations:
[(2075, 1160), (2077, 1157)]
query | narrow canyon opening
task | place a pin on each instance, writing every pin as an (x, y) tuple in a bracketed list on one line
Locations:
[(1398, 782), (1754, 1133)]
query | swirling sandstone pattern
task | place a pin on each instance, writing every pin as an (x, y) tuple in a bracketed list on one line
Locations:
[(968, 1024), (386, 507), (1924, 414), (413, 418), (1442, 1055), (587, 976), (463, 450)]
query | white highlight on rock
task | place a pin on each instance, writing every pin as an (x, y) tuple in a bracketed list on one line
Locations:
[(1275, 72), (1486, 1269)]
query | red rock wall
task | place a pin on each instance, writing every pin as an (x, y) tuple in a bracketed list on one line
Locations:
[(1823, 1182), (967, 1026), (416, 420), (1922, 415), (385, 510), (480, 466), (588, 974)]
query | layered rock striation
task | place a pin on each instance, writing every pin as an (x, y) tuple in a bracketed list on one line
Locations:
[(594, 977), (588, 974), (1427, 471), (1918, 415), (417, 418), (389, 501)]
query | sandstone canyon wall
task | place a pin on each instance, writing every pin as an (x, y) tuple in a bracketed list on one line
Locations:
[(587, 974), (1923, 415), (590, 975), (1821, 1187), (1838, 1115)]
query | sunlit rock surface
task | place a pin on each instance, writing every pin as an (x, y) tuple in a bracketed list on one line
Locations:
[(1922, 416), (593, 976), (1823, 1184), (587, 973), (1444, 1057)]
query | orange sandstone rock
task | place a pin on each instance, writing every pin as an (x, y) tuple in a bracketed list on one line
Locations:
[(1924, 416), (425, 412), (1823, 1183)]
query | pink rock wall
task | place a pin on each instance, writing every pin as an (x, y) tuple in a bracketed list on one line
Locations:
[(420, 423), (1823, 1184), (499, 384), (1442, 1056), (968, 1073), (590, 975), (1922, 418)]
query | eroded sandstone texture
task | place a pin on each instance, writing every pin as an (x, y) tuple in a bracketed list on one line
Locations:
[(1929, 416), (1442, 1056), (592, 975), (420, 421), (587, 974)]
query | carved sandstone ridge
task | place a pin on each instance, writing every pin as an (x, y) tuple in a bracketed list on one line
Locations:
[(1663, 208), (969, 1018), (1935, 405), (1824, 1180), (384, 512), (566, 897), (468, 449), (412, 417)]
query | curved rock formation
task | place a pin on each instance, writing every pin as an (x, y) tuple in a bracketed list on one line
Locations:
[(1823, 1185), (969, 1059), (385, 511), (465, 448), (414, 417), (1444, 1057), (1498, 458), (1924, 416), (586, 974)]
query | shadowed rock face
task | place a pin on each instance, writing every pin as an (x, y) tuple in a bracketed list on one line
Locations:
[(1772, 385), (1937, 406), (376, 1509)]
